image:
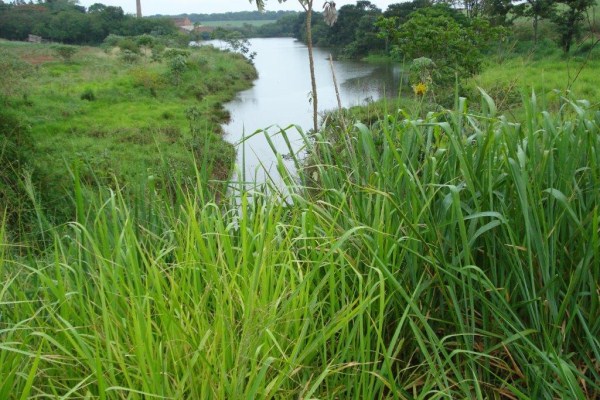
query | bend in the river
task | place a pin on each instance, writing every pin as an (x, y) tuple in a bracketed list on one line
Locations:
[(280, 96)]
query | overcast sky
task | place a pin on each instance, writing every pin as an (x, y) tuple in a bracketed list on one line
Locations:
[(173, 7)]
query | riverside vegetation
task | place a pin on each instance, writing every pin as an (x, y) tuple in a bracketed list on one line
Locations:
[(126, 112), (442, 248), (454, 255)]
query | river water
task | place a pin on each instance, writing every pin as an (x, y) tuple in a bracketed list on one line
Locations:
[(280, 98)]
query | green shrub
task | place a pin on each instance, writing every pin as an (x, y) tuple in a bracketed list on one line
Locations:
[(112, 40), (144, 77), (157, 52), (88, 94), (177, 66), (128, 44), (439, 33), (173, 53), (146, 41), (14, 71), (65, 52), (129, 57)]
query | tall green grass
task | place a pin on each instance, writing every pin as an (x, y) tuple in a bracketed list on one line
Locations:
[(119, 118), (450, 256)]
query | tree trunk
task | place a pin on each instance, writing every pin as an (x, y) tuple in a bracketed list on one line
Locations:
[(311, 61)]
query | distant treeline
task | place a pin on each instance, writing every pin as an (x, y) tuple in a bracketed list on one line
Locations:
[(237, 16), (66, 22), (363, 29)]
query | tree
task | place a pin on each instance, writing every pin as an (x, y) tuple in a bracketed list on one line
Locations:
[(536, 10), (307, 5), (96, 8), (498, 11), (104, 20), (569, 19), (441, 34), (66, 27), (64, 5), (403, 10), (16, 22), (355, 23)]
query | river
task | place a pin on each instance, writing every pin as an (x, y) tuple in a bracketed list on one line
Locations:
[(280, 97)]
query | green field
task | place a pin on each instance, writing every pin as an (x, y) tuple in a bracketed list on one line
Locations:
[(235, 24), (551, 76), (140, 118)]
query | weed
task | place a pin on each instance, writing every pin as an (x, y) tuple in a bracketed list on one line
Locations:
[(129, 57), (88, 94), (65, 52)]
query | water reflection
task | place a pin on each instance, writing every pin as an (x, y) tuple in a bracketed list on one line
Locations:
[(280, 97)]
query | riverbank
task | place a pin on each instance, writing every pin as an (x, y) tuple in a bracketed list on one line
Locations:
[(122, 116), (509, 79), (455, 254)]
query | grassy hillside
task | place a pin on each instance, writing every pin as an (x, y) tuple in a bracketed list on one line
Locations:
[(523, 67), (236, 24), (121, 115)]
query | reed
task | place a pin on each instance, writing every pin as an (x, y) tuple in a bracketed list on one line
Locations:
[(451, 256)]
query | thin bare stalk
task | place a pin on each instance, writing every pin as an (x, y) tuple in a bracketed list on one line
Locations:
[(313, 79), (335, 84)]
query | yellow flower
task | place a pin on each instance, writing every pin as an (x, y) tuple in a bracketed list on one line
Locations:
[(420, 89)]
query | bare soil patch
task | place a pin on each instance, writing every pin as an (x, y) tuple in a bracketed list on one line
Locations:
[(37, 59)]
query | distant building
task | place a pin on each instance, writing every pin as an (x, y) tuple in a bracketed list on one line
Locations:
[(34, 39), (184, 24)]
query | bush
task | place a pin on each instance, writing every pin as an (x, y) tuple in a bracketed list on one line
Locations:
[(142, 77), (14, 71), (157, 52), (128, 44), (129, 57), (65, 52), (177, 66), (112, 40), (88, 94), (172, 53), (146, 41)]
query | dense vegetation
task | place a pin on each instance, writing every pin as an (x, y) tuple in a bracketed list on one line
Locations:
[(65, 21), (121, 114), (433, 247), (449, 256), (237, 16), (363, 29)]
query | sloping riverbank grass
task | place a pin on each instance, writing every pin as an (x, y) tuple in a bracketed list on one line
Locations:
[(125, 115), (512, 72), (545, 70), (454, 256)]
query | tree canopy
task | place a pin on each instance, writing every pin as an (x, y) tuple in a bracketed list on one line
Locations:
[(66, 22)]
